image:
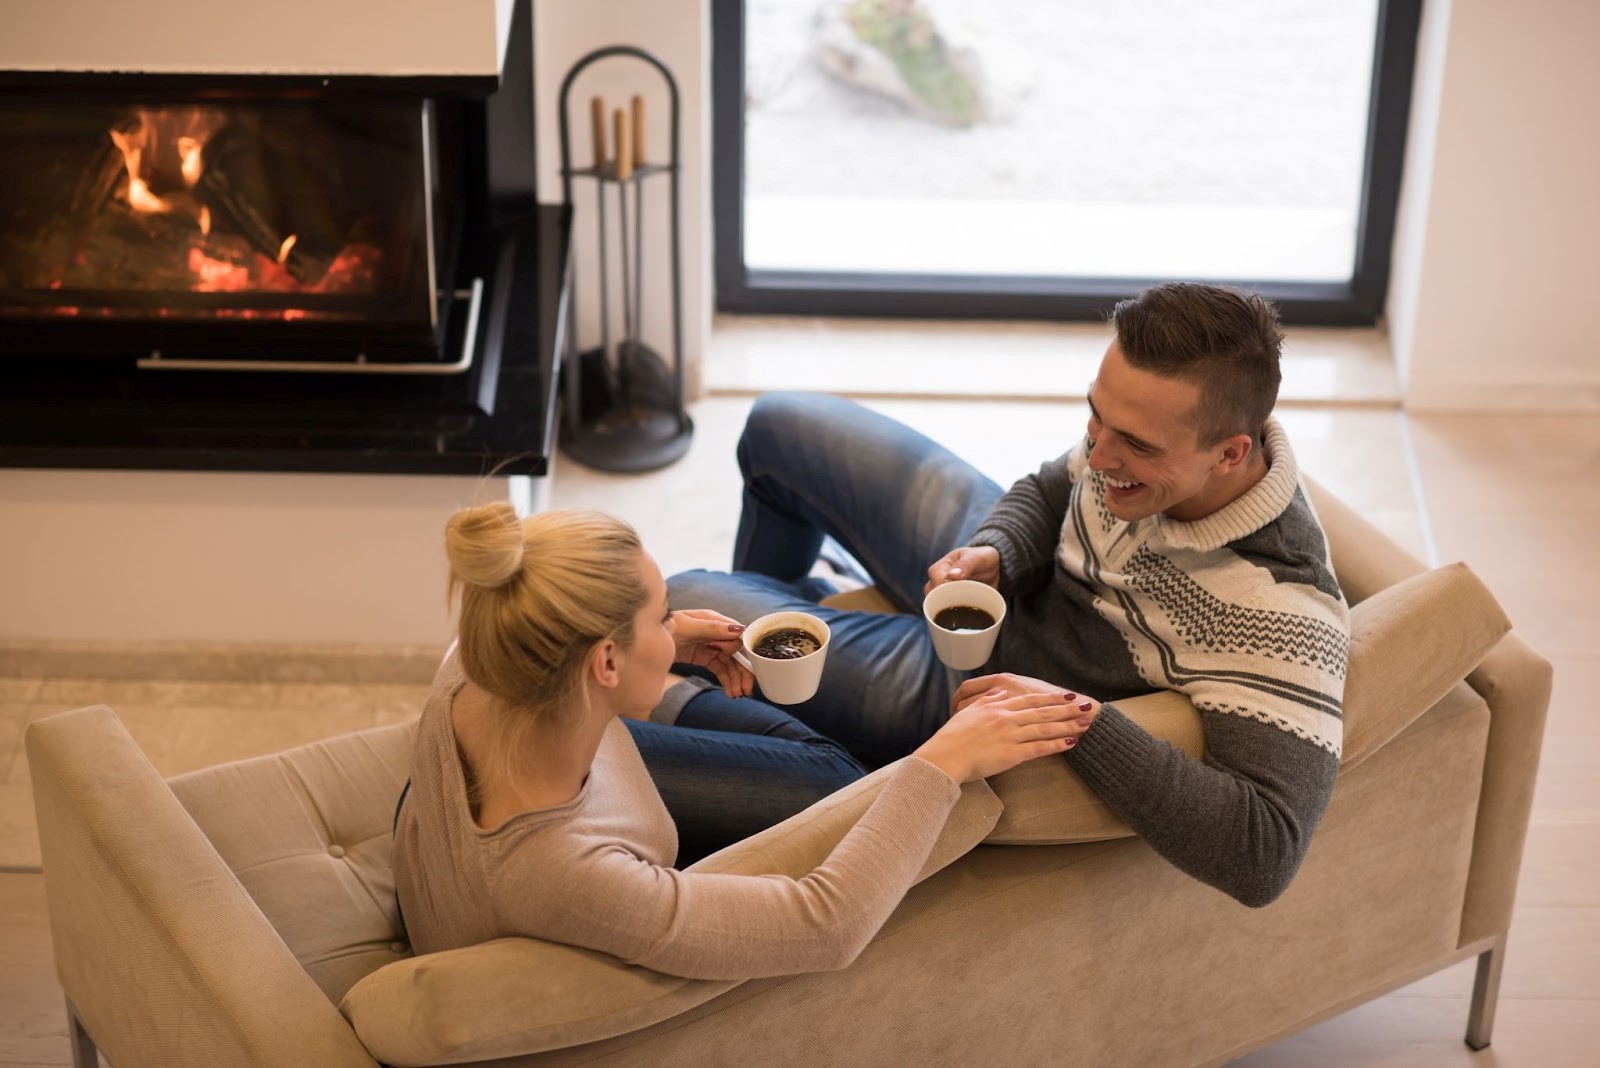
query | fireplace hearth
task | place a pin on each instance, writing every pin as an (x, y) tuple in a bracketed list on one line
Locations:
[(208, 270)]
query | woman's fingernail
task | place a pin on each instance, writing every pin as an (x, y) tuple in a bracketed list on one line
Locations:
[(736, 627), (1069, 695), (1071, 742), (1086, 706)]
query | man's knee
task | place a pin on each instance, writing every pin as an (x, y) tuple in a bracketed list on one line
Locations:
[(696, 585), (777, 421)]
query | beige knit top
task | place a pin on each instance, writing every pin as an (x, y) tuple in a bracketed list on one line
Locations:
[(597, 871)]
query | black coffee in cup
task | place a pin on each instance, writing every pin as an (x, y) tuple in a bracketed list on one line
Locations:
[(959, 617), (786, 643)]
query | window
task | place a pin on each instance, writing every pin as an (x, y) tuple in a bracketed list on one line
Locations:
[(889, 157)]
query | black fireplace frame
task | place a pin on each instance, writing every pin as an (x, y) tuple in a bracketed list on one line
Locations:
[(487, 408)]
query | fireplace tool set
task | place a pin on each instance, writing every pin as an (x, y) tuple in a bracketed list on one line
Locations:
[(623, 408)]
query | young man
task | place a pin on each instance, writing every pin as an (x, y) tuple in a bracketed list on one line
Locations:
[(1171, 548)]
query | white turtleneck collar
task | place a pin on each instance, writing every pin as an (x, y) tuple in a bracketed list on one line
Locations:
[(1251, 510)]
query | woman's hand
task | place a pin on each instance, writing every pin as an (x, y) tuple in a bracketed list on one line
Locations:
[(1013, 686), (994, 730), (710, 639), (980, 563)]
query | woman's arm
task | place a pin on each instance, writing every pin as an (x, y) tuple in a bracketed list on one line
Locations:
[(606, 896), (717, 926)]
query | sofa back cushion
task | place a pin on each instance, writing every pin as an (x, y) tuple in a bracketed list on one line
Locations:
[(309, 833), (1409, 644)]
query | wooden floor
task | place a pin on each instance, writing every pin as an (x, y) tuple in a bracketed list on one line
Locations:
[(1516, 496)]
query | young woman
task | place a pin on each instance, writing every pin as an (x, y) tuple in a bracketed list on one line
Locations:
[(531, 813)]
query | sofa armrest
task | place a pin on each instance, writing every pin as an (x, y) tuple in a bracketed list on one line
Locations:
[(163, 953), (1515, 682)]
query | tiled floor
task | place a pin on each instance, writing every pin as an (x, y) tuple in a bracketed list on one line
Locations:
[(1515, 496)]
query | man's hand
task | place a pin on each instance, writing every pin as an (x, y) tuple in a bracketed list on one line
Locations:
[(710, 639), (980, 563)]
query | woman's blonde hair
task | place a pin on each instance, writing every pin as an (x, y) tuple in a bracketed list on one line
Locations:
[(536, 595)]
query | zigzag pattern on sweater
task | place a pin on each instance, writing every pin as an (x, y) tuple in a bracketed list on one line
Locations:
[(1206, 621)]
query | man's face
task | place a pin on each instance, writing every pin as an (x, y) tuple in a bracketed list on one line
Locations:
[(1144, 444)]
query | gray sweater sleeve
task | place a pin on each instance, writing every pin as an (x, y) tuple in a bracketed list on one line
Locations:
[(1025, 526), (1239, 820)]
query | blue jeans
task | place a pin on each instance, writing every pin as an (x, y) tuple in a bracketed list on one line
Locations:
[(816, 466), (729, 767)]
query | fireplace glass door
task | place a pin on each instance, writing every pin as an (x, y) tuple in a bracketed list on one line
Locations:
[(307, 219)]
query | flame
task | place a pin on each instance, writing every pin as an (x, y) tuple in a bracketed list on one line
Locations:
[(189, 153), (205, 219), (287, 246), (131, 145)]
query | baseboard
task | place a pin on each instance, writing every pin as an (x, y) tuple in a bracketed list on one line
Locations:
[(1576, 398), (250, 662)]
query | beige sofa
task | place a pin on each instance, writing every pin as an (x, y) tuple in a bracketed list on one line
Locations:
[(244, 914)]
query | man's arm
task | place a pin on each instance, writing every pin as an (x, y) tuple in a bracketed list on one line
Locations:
[(1024, 526), (1239, 820)]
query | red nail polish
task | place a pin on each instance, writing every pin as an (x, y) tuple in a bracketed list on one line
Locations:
[(1069, 695), (1071, 742), (1086, 706)]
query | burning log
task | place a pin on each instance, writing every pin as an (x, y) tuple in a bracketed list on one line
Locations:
[(215, 189)]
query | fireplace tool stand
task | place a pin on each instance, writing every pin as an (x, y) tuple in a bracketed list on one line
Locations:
[(623, 406)]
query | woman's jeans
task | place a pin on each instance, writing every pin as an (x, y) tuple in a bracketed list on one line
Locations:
[(729, 767), (817, 466)]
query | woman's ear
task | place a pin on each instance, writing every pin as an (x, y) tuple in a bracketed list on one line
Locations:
[(605, 663)]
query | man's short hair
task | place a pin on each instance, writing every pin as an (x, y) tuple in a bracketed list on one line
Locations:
[(1224, 340)]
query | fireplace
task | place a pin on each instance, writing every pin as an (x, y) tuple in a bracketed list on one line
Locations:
[(298, 271)]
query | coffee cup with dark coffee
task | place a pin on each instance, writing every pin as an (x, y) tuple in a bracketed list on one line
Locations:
[(785, 651), (964, 620)]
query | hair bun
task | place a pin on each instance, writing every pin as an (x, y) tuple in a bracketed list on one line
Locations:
[(484, 544)]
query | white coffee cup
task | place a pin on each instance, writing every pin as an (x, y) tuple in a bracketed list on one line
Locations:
[(785, 682), (964, 649)]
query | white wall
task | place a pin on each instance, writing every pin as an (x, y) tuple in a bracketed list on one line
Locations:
[(223, 557), (414, 37), (1497, 264), (678, 32)]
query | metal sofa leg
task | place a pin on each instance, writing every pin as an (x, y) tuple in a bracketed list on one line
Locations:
[(84, 1053), (1485, 994)]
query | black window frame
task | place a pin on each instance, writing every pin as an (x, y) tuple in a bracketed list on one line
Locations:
[(1358, 302)]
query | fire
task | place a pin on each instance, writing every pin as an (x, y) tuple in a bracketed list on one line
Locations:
[(189, 151), (132, 143), (208, 228)]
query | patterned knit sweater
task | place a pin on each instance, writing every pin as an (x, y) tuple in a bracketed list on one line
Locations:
[(1239, 611)]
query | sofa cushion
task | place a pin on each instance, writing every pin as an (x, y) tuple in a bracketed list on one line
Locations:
[(520, 995), (1409, 644), (308, 833)]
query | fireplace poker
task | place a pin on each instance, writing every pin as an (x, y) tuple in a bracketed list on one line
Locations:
[(597, 116), (625, 352), (638, 222)]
